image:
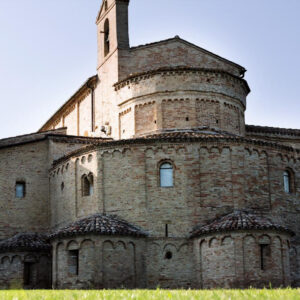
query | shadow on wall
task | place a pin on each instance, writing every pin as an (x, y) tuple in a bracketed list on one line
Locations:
[(25, 271)]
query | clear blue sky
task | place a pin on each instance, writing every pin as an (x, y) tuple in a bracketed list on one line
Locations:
[(48, 49)]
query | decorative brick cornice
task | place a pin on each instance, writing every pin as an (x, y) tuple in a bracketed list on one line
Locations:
[(145, 104), (176, 137), (136, 78), (272, 130), (125, 112)]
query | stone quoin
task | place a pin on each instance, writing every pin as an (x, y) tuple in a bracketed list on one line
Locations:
[(148, 176)]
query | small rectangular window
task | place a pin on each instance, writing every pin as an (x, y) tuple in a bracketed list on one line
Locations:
[(20, 189), (74, 262), (166, 175), (264, 253)]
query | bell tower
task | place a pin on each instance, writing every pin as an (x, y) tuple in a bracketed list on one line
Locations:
[(112, 26)]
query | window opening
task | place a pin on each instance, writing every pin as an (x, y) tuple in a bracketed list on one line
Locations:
[(87, 185), (167, 230), (168, 255), (264, 253), (287, 180), (74, 262), (166, 175), (20, 189), (91, 186), (28, 273), (62, 186), (106, 37)]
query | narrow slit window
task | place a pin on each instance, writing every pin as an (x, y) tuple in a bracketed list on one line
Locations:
[(106, 37), (288, 181), (20, 189), (166, 175), (264, 254), (74, 262), (167, 230)]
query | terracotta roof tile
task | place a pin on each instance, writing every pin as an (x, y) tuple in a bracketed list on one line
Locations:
[(25, 242), (203, 132), (56, 135), (238, 220), (99, 224), (176, 135), (272, 130)]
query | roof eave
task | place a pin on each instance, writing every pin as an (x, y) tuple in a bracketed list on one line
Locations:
[(87, 85)]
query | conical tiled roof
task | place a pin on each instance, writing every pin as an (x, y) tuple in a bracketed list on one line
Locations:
[(238, 220), (25, 242), (99, 224)]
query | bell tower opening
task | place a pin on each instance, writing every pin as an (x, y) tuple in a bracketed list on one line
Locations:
[(106, 37), (112, 22)]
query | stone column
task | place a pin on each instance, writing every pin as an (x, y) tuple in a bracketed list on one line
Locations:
[(238, 179), (54, 271), (159, 115), (197, 259), (99, 268), (239, 261)]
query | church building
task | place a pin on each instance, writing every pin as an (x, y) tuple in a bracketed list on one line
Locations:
[(148, 176)]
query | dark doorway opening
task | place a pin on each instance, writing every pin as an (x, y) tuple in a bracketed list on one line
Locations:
[(29, 273)]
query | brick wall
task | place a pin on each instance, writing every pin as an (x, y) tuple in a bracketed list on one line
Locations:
[(27, 163), (173, 53), (210, 179), (104, 262), (69, 203), (234, 260), (145, 118), (70, 121), (180, 100), (12, 270)]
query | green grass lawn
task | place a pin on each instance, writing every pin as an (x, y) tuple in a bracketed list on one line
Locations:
[(285, 294)]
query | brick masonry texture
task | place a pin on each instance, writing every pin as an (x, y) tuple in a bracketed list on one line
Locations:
[(92, 177)]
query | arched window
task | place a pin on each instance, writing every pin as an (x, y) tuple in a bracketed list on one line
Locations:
[(166, 175), (87, 183), (288, 181), (106, 37)]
